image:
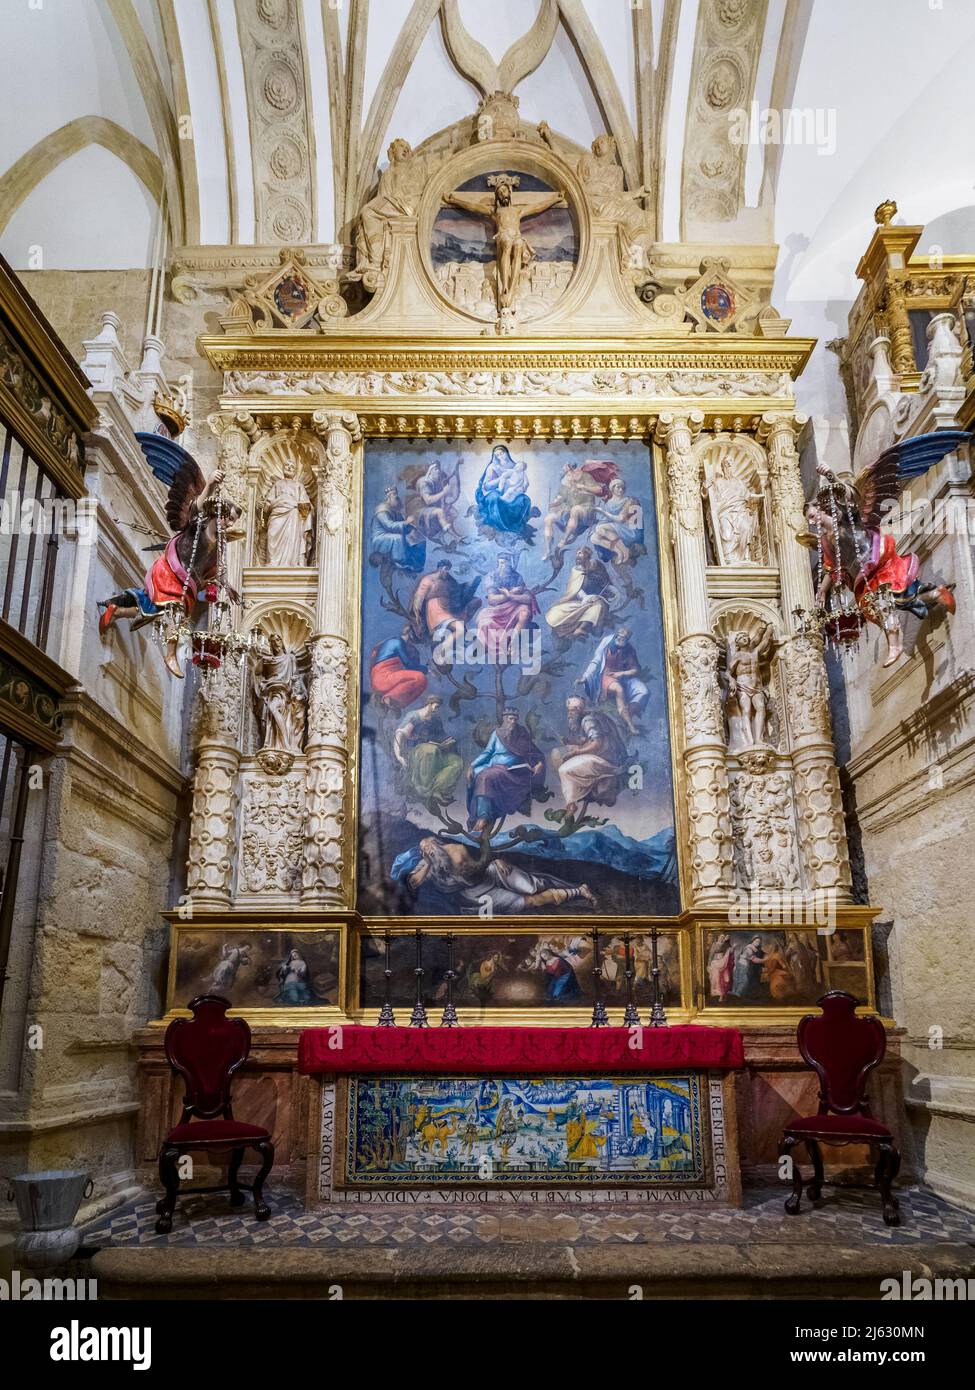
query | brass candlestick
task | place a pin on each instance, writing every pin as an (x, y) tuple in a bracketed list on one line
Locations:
[(450, 1019), (658, 1018), (600, 1018), (387, 1019), (631, 1015), (418, 1018)]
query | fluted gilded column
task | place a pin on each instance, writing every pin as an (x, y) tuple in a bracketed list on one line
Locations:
[(822, 829), (326, 862), (705, 760), (209, 873)]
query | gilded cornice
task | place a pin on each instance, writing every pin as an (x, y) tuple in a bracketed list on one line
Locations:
[(285, 350)]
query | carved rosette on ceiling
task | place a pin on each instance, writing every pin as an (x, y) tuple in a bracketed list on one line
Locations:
[(279, 117), (726, 51)]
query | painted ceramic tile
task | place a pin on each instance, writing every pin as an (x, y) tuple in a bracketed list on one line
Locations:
[(515, 754), (781, 968), (550, 969), (417, 1129), (255, 969)]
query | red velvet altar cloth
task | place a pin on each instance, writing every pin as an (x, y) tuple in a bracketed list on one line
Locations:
[(354, 1049)]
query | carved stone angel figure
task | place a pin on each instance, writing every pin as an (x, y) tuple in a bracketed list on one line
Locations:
[(280, 697), (735, 509), (288, 519)]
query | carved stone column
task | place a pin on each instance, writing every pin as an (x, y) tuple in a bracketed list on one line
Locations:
[(326, 863), (209, 874), (705, 761), (237, 433), (819, 804)]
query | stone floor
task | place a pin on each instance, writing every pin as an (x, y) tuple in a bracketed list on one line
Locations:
[(847, 1215)]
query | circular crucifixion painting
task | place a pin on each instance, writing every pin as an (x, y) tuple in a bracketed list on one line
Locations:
[(502, 242)]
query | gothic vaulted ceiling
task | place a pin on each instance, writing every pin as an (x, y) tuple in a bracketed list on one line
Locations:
[(265, 121)]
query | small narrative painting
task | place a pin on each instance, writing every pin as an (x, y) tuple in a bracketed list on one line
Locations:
[(258, 970), (532, 216), (782, 968), (550, 969), (515, 741), (411, 1130)]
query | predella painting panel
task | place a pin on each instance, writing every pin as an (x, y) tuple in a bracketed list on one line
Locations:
[(518, 970), (792, 967), (258, 969), (515, 742)]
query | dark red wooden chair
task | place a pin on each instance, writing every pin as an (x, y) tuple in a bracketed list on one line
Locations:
[(843, 1049), (207, 1050)]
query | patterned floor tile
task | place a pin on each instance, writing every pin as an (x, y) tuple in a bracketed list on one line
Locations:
[(849, 1216)]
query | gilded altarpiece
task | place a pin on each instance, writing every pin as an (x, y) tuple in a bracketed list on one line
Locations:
[(526, 572)]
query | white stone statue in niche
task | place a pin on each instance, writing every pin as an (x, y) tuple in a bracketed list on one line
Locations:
[(280, 702), (748, 655), (288, 520), (735, 511)]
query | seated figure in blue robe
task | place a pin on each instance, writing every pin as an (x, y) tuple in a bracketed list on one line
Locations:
[(501, 495), (393, 538)]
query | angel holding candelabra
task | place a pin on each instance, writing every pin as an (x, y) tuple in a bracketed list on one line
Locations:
[(862, 578)]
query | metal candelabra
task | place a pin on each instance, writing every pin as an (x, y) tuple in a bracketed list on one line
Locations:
[(418, 1018), (600, 1018), (450, 1019), (631, 1014), (658, 1017), (387, 1019)]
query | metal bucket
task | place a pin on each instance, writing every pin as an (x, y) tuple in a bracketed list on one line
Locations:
[(49, 1201)]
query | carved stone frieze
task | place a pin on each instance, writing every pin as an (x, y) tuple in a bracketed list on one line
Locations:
[(764, 830), (272, 834), (530, 383)]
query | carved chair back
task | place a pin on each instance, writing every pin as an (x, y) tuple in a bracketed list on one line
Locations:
[(207, 1050), (842, 1048)]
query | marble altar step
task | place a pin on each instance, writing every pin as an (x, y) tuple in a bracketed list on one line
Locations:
[(794, 1269)]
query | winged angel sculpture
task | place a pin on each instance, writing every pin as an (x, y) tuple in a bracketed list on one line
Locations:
[(858, 558), (189, 570)]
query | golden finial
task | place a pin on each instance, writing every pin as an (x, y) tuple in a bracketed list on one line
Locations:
[(883, 215)]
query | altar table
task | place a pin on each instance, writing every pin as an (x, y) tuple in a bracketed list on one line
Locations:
[(359, 1050), (530, 1114)]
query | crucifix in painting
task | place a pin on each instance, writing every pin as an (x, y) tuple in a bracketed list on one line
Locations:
[(507, 209)]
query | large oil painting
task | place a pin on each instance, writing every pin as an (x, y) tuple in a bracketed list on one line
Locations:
[(543, 970), (257, 969), (785, 968), (515, 747), (415, 1130)]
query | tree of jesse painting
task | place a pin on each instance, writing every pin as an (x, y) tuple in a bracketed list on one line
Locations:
[(515, 744)]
